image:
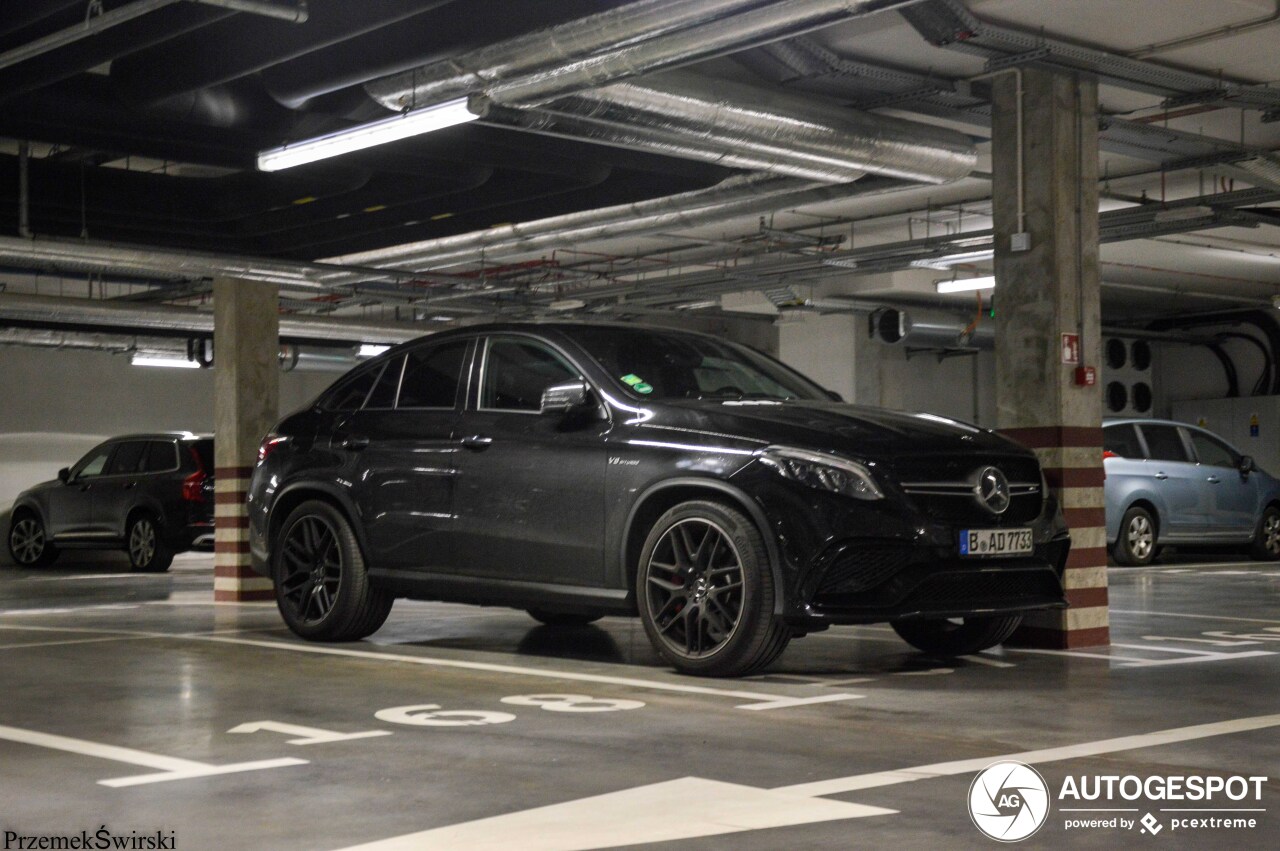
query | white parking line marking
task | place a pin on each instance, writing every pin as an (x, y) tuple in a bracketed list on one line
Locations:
[(1196, 617), (1213, 642), (170, 768), (983, 660), (1080, 654), (787, 702), (1162, 649), (660, 812), (71, 641), (645, 814), (306, 735), (1159, 738), (503, 669)]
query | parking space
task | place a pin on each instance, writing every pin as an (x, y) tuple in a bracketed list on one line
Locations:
[(153, 709)]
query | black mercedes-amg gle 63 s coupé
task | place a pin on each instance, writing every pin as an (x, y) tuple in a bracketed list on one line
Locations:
[(583, 470)]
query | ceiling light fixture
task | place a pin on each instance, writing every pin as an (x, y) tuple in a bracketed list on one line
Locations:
[(160, 360), (371, 350), (381, 132), (965, 285), (946, 261)]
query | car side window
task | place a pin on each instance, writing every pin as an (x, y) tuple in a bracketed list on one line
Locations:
[(161, 456), (1122, 440), (350, 393), (433, 375), (1213, 453), (384, 392), (517, 371), (128, 457), (1165, 443), (92, 464)]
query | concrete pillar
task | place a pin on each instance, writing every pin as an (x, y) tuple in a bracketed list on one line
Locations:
[(1043, 292), (246, 393), (834, 350)]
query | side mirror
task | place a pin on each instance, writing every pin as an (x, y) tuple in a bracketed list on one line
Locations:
[(64, 475), (1246, 464), (563, 398)]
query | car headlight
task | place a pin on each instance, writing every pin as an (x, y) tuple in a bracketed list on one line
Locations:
[(822, 471)]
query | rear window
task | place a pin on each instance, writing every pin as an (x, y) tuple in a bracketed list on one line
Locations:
[(350, 392), (1165, 443), (1122, 440), (432, 376), (128, 457), (161, 456), (204, 451)]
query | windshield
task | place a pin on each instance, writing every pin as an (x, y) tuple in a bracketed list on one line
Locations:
[(669, 365)]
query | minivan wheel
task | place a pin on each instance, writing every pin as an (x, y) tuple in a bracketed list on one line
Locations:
[(322, 587), (146, 548), (706, 593), (950, 637), (1136, 544), (1266, 543), (29, 545), (551, 618)]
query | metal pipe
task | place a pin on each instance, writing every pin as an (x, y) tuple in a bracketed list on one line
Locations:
[(114, 18), (774, 126), (56, 311), (547, 48), (755, 28), (733, 197), (1210, 35)]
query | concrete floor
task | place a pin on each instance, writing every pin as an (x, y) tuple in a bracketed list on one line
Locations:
[(132, 702)]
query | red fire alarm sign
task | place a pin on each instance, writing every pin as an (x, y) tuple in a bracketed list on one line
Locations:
[(1086, 376)]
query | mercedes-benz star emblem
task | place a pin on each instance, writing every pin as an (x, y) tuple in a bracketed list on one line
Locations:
[(992, 490)]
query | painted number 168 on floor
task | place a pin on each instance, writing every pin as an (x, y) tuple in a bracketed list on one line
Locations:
[(995, 542)]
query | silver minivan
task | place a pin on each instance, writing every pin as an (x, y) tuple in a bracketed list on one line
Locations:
[(1170, 483)]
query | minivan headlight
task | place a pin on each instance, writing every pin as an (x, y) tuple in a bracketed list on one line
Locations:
[(822, 471)]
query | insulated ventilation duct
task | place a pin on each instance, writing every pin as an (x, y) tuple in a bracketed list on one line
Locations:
[(927, 329)]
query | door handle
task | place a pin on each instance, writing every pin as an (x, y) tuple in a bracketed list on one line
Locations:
[(1162, 476), (355, 442), (1213, 480), (476, 441)]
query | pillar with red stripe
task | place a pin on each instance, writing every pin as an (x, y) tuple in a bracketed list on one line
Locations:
[(1048, 320), (245, 406)]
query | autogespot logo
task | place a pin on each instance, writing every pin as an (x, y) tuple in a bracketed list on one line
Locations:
[(1008, 801)]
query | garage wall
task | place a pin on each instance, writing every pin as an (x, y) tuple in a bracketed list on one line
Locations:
[(56, 405), (836, 351)]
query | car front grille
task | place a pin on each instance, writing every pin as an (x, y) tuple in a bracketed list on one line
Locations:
[(944, 488), (862, 568)]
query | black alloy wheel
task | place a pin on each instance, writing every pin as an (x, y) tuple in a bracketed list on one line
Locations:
[(28, 544), (951, 637), (706, 592), (1136, 544), (1266, 543), (322, 588), (145, 546)]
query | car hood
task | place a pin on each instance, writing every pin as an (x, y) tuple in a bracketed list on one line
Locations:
[(857, 430)]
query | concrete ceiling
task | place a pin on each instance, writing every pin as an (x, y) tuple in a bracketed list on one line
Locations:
[(148, 140)]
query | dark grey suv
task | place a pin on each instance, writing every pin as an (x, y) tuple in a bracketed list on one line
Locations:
[(579, 470), (148, 494)]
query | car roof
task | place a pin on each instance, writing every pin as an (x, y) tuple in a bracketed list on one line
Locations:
[(564, 326), (160, 435), (1110, 421)]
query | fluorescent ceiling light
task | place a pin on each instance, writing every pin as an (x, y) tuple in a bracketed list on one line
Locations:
[(1181, 214), (568, 304), (371, 350), (965, 285), (381, 132), (946, 261), (158, 360)]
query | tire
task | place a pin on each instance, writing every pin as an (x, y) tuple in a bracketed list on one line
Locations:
[(551, 618), (1266, 543), (706, 593), (322, 587), (1136, 544), (947, 638), (29, 544), (143, 541)]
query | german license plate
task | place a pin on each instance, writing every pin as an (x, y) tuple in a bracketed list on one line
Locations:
[(995, 542)]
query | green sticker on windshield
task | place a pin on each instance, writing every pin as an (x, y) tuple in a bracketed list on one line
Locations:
[(643, 388), (631, 380)]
